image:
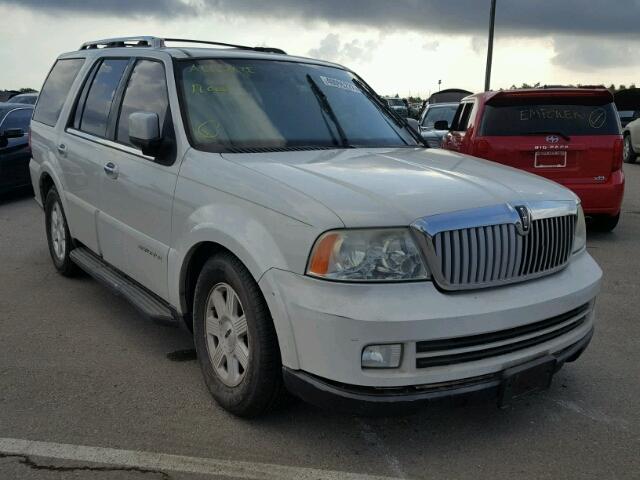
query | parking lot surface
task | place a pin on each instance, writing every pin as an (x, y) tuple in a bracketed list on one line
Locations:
[(86, 379)]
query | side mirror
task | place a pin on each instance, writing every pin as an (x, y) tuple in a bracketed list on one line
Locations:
[(144, 132), (12, 133), (441, 125), (413, 123)]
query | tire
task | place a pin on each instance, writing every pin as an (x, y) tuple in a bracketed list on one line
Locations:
[(256, 387), (605, 223), (629, 156), (58, 236)]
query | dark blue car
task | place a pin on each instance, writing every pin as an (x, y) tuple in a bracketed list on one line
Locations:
[(14, 145)]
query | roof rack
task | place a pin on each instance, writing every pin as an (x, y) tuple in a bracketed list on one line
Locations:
[(155, 42)]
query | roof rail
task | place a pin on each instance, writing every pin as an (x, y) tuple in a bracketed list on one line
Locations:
[(143, 41), (155, 42), (232, 45)]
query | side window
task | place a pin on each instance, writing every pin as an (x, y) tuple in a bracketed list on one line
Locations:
[(461, 119), (95, 115), (456, 117), (146, 92), (17, 119), (55, 90)]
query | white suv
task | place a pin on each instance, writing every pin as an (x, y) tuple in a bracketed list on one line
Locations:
[(276, 207)]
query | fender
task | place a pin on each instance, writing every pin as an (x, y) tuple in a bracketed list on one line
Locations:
[(254, 245), (246, 236), (37, 171)]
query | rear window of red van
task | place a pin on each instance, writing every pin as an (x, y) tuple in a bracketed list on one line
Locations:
[(566, 116)]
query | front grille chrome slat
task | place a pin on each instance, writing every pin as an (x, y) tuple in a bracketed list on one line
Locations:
[(495, 254)]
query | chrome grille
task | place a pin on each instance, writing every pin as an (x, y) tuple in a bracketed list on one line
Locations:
[(489, 246), (480, 255)]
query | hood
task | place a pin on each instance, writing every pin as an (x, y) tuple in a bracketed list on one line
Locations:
[(394, 187)]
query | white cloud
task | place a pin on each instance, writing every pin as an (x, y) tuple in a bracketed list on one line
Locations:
[(354, 51)]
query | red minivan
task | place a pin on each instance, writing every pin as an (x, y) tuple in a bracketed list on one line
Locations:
[(569, 135)]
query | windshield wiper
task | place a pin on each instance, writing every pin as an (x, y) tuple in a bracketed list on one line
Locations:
[(550, 132), (326, 108), (382, 105)]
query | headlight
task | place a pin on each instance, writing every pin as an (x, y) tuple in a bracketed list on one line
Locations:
[(580, 237), (379, 255)]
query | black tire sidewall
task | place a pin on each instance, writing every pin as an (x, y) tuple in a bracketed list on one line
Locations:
[(66, 265), (606, 223), (255, 392), (631, 158)]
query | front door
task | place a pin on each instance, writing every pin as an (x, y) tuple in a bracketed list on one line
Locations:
[(136, 191)]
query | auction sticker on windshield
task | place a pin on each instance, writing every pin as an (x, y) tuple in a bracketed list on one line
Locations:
[(338, 83)]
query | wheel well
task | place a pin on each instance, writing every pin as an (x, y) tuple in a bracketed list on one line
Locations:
[(46, 184), (196, 260)]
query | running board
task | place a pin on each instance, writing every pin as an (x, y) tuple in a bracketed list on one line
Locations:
[(146, 302)]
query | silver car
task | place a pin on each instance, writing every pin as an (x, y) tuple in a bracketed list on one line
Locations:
[(275, 207), (432, 114)]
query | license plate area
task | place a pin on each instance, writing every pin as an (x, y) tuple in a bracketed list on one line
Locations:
[(527, 378), (550, 159)]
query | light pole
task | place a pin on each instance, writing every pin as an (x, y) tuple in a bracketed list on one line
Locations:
[(492, 21), (439, 83)]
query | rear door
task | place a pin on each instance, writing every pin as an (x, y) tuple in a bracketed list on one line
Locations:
[(81, 150), (14, 152), (570, 138)]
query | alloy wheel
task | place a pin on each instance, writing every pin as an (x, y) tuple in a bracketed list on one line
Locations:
[(58, 233), (227, 336)]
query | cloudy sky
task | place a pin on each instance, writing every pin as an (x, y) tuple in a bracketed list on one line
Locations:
[(399, 46)]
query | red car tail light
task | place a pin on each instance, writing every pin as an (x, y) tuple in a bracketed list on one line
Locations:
[(617, 155)]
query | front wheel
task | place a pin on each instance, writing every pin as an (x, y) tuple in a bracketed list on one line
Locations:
[(58, 236), (628, 154), (235, 339)]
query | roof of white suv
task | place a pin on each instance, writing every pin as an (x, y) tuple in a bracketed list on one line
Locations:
[(143, 44)]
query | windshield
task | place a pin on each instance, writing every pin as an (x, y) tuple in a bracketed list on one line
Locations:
[(395, 102), (569, 117), (436, 114), (235, 104)]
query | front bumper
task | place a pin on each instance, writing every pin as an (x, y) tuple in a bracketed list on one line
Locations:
[(370, 400), (323, 326)]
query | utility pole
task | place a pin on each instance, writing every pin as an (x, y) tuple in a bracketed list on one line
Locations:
[(492, 22)]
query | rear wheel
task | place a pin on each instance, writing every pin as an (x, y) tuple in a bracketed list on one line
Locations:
[(235, 339), (58, 236), (628, 154), (605, 223)]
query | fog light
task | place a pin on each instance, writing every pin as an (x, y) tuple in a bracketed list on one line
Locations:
[(382, 356)]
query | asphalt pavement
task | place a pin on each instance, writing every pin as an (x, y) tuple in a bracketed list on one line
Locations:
[(90, 389)]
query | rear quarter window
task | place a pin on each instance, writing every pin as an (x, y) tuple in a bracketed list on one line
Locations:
[(55, 90), (567, 117)]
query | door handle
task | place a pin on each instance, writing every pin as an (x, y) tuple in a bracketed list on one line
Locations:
[(111, 169), (62, 148)]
